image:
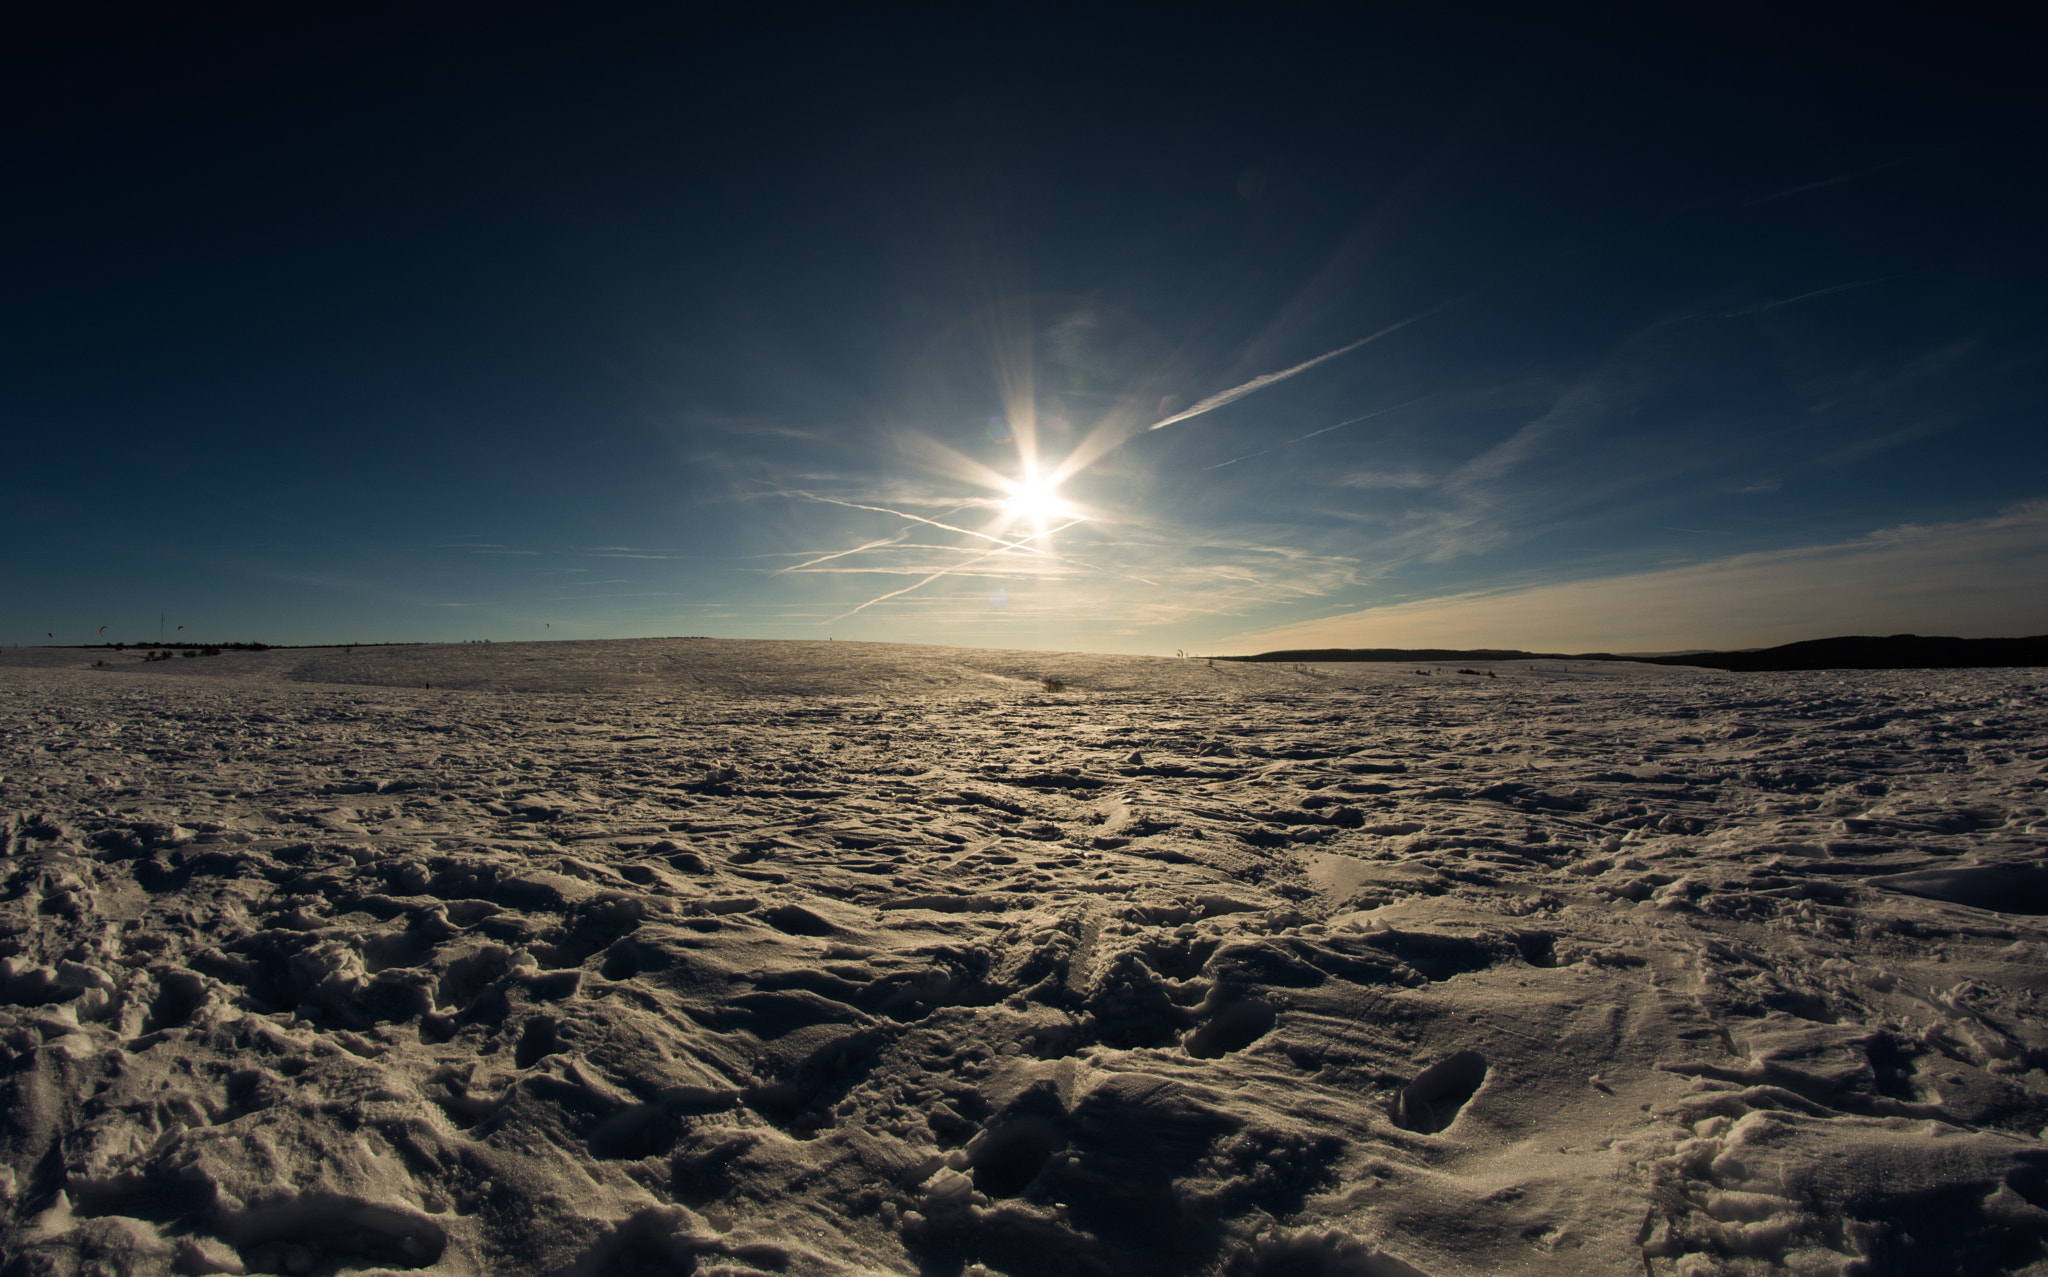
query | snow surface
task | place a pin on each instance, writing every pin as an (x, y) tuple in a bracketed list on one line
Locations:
[(676, 956)]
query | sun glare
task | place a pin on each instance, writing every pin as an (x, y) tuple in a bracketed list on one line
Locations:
[(1038, 500)]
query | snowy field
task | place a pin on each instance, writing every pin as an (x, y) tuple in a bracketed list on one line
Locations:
[(675, 956)]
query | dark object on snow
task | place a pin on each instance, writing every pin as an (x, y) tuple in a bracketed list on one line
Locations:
[(1431, 1102), (2003, 888)]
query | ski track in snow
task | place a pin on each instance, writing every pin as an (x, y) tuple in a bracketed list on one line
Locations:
[(675, 956)]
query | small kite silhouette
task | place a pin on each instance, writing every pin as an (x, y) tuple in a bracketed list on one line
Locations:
[(103, 629)]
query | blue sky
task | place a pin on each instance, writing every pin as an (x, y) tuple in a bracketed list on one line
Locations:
[(1693, 328)]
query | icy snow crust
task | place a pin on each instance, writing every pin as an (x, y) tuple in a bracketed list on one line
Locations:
[(682, 956)]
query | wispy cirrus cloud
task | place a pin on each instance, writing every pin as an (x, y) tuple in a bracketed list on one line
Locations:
[(1892, 580), (1386, 479)]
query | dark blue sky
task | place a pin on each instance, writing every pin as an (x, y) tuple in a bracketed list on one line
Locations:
[(1699, 326)]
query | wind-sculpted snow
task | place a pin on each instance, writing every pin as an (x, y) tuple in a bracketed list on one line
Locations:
[(679, 956)]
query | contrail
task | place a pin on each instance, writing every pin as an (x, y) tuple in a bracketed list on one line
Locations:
[(1264, 380), (795, 567), (880, 509), (965, 563), (1210, 404), (1313, 433), (1000, 543), (1823, 183), (1818, 292)]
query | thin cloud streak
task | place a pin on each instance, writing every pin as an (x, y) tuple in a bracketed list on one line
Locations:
[(946, 572), (1186, 573), (1007, 573), (1822, 184), (1887, 582), (1804, 297), (1313, 433), (840, 554), (918, 518), (1260, 382)]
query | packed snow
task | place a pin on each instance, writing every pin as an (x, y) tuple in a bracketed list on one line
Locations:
[(674, 956)]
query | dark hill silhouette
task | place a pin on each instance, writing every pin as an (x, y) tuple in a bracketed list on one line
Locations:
[(1305, 655), (1896, 652)]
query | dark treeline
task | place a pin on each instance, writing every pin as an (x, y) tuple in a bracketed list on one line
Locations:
[(1896, 652), (179, 644), (174, 645)]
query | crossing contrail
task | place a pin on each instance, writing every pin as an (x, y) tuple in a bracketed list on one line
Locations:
[(918, 518), (957, 567), (840, 554)]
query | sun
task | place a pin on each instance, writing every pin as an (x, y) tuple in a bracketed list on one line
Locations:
[(1038, 500)]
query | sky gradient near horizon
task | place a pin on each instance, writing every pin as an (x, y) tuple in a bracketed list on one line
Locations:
[(1571, 328)]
